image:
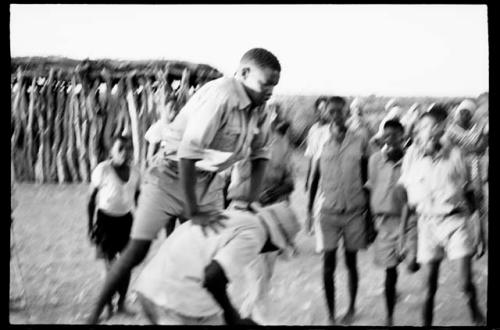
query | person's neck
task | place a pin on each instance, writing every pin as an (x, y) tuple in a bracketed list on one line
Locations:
[(247, 92), (464, 125)]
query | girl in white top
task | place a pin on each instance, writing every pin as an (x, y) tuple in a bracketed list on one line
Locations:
[(114, 192), (156, 132)]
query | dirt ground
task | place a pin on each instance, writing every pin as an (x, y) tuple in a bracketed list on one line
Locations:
[(61, 276)]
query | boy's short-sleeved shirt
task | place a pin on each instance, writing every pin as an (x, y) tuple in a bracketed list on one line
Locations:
[(383, 176), (278, 170), (114, 196), (341, 183), (174, 277), (435, 186), (219, 126), (157, 132)]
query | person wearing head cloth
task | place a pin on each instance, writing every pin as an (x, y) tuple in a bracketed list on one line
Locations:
[(185, 282), (356, 120), (470, 137), (409, 121), (393, 112)]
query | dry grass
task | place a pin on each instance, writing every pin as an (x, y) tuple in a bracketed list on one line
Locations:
[(62, 276)]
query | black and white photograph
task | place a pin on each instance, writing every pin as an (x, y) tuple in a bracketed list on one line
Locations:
[(249, 164)]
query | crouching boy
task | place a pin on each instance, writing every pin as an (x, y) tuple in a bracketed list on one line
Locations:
[(185, 282)]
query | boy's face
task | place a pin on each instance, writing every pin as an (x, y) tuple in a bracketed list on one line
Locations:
[(465, 116), (337, 113), (259, 82), (393, 138), (430, 132), (121, 152)]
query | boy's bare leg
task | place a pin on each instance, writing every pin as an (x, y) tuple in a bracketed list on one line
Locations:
[(431, 271), (122, 291), (134, 253), (469, 289), (391, 277), (329, 264), (351, 264), (108, 261)]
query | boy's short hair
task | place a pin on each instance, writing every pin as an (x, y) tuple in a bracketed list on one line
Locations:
[(338, 100), (394, 123), (262, 57), (319, 100), (437, 111), (123, 138)]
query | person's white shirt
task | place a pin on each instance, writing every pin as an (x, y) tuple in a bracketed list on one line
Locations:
[(173, 279), (115, 197), (157, 132), (316, 139)]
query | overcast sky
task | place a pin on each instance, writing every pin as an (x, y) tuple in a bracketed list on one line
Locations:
[(349, 50)]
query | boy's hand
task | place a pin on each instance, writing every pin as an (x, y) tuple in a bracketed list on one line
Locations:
[(211, 220), (480, 247)]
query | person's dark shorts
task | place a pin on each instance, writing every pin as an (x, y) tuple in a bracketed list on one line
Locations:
[(112, 234)]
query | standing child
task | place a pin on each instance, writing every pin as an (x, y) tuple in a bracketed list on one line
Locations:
[(114, 190), (384, 169), (316, 138), (436, 176)]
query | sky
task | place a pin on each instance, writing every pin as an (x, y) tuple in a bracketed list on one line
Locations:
[(397, 50)]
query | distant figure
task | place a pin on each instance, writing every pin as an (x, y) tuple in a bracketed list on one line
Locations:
[(318, 134), (356, 121), (156, 133), (470, 137), (435, 176), (409, 122), (185, 283), (114, 192)]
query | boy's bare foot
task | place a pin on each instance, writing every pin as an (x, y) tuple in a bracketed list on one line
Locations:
[(124, 310), (331, 321), (348, 317), (479, 319), (109, 311)]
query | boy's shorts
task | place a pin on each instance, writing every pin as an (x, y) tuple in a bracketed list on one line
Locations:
[(386, 243), (350, 226), (438, 235), (162, 198)]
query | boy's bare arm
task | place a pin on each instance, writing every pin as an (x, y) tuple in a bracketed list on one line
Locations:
[(91, 210)]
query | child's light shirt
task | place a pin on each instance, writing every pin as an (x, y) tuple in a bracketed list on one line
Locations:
[(115, 197)]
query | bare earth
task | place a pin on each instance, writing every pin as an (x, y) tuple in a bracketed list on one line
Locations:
[(62, 277)]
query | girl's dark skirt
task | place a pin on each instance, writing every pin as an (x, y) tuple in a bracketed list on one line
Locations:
[(111, 234)]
